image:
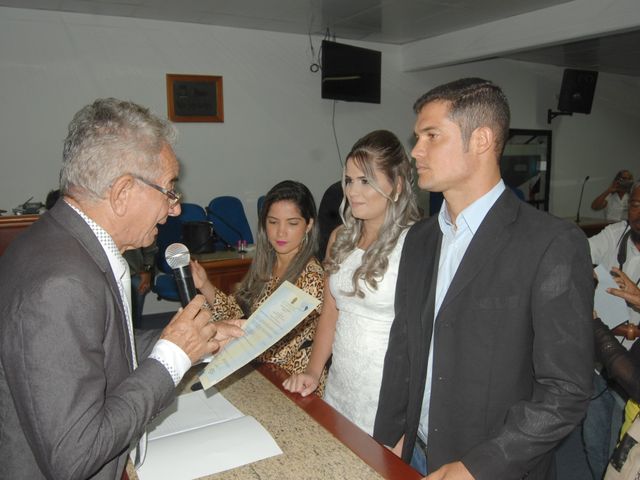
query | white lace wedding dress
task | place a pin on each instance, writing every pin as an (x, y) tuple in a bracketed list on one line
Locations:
[(360, 344)]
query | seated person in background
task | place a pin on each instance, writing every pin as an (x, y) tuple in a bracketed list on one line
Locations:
[(285, 249), (141, 263), (615, 198)]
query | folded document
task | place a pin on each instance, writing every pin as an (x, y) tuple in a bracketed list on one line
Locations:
[(285, 308)]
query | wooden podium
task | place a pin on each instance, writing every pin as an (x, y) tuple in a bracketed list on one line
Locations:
[(11, 226), (225, 268)]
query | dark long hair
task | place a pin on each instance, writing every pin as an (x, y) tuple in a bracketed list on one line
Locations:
[(261, 269)]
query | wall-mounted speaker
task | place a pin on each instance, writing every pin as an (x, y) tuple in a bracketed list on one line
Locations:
[(576, 93)]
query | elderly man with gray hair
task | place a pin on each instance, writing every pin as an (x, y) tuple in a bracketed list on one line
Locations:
[(75, 395)]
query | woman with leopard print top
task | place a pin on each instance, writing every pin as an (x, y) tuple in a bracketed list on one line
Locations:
[(285, 250)]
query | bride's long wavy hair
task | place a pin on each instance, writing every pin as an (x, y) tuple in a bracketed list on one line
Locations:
[(379, 150)]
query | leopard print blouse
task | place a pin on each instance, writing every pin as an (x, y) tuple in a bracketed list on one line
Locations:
[(292, 352)]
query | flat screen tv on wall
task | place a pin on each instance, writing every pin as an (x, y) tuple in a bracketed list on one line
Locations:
[(350, 73)]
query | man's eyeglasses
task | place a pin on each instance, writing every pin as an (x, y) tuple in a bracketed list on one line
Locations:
[(172, 195)]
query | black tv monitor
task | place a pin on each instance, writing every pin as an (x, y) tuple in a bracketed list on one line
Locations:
[(350, 73)]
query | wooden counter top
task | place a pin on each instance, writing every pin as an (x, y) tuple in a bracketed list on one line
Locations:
[(317, 442)]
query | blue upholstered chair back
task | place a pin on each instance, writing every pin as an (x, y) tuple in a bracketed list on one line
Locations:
[(192, 212), (164, 285), (170, 232), (229, 220)]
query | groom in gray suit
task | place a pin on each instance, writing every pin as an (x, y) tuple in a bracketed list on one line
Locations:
[(490, 355), (74, 393)]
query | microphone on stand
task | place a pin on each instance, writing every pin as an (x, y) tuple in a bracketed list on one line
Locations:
[(580, 200), (177, 257)]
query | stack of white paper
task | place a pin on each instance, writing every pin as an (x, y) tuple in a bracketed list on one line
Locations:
[(201, 434), (612, 310)]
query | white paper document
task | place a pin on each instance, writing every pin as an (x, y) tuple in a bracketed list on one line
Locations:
[(285, 308), (202, 433), (612, 310)]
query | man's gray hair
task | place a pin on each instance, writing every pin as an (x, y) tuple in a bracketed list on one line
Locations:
[(110, 138)]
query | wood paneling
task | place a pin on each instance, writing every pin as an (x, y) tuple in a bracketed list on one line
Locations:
[(12, 226), (225, 269)]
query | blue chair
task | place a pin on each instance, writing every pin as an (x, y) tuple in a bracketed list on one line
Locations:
[(164, 285), (260, 204), (229, 220), (192, 212)]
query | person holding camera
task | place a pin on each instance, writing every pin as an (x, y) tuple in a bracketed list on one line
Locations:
[(615, 199)]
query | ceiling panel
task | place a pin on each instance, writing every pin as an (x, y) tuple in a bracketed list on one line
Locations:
[(618, 54), (385, 21)]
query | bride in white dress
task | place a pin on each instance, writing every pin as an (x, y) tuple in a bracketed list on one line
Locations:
[(362, 261)]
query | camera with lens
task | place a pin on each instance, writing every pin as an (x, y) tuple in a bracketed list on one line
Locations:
[(623, 184)]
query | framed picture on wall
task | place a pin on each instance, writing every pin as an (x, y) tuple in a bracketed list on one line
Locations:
[(194, 98)]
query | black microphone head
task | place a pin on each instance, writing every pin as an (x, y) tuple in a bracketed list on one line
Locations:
[(586, 178), (177, 255)]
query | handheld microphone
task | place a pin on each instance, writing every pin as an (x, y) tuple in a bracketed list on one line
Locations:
[(177, 257), (580, 200)]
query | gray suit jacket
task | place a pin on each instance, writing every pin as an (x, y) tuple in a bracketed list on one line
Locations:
[(70, 403), (513, 346)]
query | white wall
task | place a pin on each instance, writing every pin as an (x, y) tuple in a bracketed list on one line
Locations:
[(276, 125)]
